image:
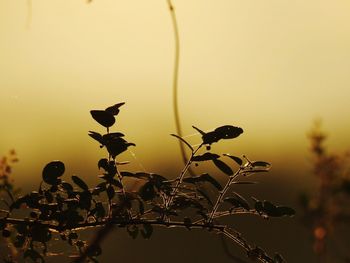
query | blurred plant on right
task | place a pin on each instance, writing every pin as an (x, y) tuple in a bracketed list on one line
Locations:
[(327, 208)]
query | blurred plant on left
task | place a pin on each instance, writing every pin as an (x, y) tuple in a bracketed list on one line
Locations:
[(8, 194)]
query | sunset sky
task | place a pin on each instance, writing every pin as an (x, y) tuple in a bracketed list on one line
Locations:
[(270, 67)]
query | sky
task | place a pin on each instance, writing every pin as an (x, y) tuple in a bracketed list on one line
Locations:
[(270, 67)]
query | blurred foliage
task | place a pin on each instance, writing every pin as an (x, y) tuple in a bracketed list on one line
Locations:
[(328, 207), (61, 209)]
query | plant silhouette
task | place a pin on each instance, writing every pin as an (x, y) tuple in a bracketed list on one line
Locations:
[(327, 208), (64, 208)]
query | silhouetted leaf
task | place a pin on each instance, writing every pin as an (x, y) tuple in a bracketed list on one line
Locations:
[(147, 231), (40, 233), (112, 136), (67, 187), (117, 146), (269, 209), (223, 167), (205, 195), (285, 211), (103, 163), (147, 191), (79, 182), (223, 132), (238, 160), (200, 131), (261, 164), (52, 171), (237, 201), (96, 136), (133, 231), (228, 132), (104, 118), (100, 210), (85, 199), (205, 157), (110, 192), (203, 178), (99, 188), (183, 202), (114, 110), (49, 197), (184, 141)]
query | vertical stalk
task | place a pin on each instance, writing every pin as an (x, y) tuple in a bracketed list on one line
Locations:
[(175, 81)]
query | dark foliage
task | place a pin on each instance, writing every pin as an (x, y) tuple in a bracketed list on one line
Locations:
[(63, 208)]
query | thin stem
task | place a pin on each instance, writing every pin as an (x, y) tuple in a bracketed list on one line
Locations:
[(181, 177), (222, 194), (115, 221), (120, 177), (175, 82)]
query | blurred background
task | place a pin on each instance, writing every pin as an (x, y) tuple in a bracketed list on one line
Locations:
[(270, 67)]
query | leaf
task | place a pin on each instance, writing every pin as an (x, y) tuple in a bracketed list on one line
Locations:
[(110, 192), (100, 188), (147, 231), (269, 209), (40, 233), (52, 171), (133, 231), (100, 210), (96, 136), (183, 202), (204, 194), (112, 136), (104, 118), (205, 157), (183, 140), (79, 182), (67, 187), (237, 201), (200, 131), (286, 211), (223, 132), (103, 163), (223, 167), (261, 164), (238, 160), (114, 110), (85, 199), (228, 132), (211, 180), (117, 146), (147, 191), (203, 178)]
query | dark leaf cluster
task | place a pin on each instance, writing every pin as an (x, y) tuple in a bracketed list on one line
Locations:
[(62, 207)]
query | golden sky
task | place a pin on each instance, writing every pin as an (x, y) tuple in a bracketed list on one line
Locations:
[(271, 67)]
